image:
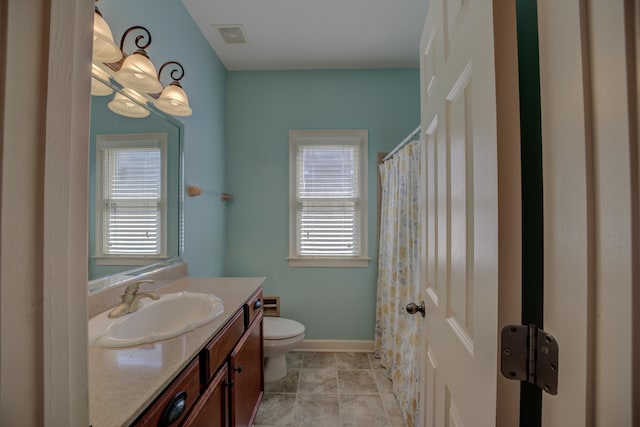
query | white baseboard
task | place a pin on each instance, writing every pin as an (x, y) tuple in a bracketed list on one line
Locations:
[(336, 345)]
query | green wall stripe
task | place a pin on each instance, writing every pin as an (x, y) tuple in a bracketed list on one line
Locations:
[(532, 202)]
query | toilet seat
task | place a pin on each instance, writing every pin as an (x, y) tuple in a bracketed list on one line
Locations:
[(279, 328)]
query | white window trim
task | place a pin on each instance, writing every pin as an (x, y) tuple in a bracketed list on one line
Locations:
[(138, 140), (328, 137)]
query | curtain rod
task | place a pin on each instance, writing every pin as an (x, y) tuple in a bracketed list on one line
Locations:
[(402, 144)]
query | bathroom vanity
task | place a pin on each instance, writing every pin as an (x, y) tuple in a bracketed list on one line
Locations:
[(210, 376)]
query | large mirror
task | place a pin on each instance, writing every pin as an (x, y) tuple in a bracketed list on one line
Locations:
[(135, 182)]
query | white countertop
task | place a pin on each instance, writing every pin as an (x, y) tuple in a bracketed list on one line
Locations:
[(124, 381)]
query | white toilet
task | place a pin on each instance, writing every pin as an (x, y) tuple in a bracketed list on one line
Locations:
[(280, 336)]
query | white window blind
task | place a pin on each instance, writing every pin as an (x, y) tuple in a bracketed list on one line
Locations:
[(327, 195), (132, 199), (328, 192)]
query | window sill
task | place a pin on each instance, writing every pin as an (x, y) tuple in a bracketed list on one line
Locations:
[(359, 262), (128, 260)]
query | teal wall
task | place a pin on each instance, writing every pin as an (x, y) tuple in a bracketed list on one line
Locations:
[(175, 37), (253, 112), (333, 303)]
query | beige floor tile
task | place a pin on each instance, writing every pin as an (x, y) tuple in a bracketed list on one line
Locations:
[(276, 410), (375, 362), (353, 360), (330, 390), (362, 410), (318, 360), (318, 381), (356, 381), (288, 384), (385, 385), (318, 410), (393, 409), (294, 359)]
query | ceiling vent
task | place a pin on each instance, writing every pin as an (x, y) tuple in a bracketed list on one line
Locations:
[(232, 34)]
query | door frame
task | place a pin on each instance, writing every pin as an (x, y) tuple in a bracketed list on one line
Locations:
[(43, 211), (591, 187), (509, 195)]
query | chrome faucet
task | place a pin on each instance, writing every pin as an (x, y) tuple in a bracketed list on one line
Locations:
[(130, 299)]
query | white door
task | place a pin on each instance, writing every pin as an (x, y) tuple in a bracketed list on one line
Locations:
[(471, 246), (461, 253)]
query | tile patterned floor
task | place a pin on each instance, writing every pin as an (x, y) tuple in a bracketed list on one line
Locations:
[(330, 390)]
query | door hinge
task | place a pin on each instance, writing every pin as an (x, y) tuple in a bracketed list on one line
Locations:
[(530, 354)]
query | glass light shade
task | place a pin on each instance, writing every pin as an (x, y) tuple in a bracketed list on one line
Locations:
[(124, 106), (99, 89), (138, 73), (104, 49), (174, 101)]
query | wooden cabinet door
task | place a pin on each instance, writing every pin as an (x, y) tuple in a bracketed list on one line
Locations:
[(212, 410), (175, 401), (247, 376)]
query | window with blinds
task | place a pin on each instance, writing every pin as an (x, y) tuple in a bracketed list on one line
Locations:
[(328, 197), (131, 196)]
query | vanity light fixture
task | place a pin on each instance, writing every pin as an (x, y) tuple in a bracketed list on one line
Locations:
[(104, 48), (173, 99), (138, 72), (98, 88), (125, 106)]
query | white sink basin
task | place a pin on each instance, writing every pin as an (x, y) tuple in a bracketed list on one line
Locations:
[(170, 316)]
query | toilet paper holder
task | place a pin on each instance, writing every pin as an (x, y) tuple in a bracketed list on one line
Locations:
[(271, 306)]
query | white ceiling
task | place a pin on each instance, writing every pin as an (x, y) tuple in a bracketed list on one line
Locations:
[(314, 34)]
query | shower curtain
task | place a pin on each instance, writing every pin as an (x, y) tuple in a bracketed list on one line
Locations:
[(397, 332)]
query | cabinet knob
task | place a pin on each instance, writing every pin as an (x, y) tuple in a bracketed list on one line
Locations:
[(257, 304), (238, 369), (174, 410)]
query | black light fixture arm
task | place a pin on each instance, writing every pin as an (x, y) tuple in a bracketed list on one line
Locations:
[(96, 8), (138, 40), (176, 74)]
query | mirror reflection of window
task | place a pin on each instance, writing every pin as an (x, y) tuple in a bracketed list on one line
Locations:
[(131, 198)]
